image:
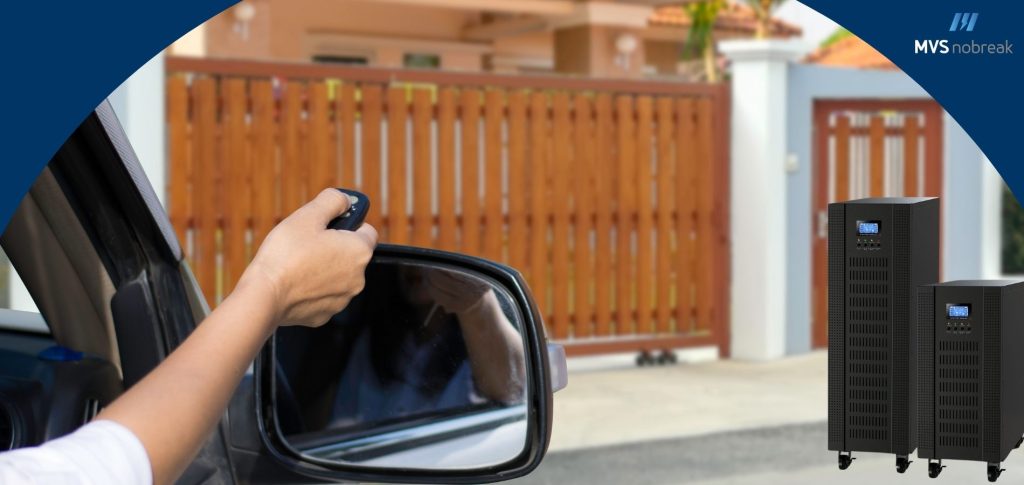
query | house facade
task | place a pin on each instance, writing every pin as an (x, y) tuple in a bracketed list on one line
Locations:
[(610, 38)]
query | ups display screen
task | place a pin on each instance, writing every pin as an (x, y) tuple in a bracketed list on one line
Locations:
[(868, 228), (958, 310)]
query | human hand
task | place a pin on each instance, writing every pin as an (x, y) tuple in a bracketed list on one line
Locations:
[(312, 272), (454, 292)]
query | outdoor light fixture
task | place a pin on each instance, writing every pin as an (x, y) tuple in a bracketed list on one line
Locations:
[(244, 12), (625, 45)]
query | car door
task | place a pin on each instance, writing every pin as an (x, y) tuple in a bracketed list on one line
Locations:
[(155, 302)]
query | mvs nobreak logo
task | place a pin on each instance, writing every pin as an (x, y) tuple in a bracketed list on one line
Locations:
[(962, 22)]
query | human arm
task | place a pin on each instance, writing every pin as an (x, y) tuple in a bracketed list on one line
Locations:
[(493, 345), (302, 274)]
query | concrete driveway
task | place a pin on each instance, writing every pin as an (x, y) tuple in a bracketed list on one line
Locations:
[(625, 404), (791, 454), (719, 422)]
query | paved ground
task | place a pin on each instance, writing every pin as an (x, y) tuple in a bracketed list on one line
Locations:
[(712, 423), (792, 454), (626, 404)]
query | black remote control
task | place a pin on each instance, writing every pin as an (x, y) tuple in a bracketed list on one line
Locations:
[(353, 218)]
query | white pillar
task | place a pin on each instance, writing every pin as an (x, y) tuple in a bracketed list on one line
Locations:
[(758, 195), (991, 221)]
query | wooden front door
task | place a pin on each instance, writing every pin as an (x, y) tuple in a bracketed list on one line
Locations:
[(868, 148)]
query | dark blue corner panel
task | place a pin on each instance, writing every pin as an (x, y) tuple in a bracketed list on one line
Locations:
[(967, 54), (61, 59)]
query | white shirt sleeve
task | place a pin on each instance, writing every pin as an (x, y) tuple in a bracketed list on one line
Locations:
[(99, 453)]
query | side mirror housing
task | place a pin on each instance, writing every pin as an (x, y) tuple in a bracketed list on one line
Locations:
[(439, 372)]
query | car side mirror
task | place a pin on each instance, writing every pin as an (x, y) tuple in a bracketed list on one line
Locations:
[(438, 372)]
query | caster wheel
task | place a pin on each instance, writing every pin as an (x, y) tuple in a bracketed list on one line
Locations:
[(845, 459), (666, 357), (934, 468), (994, 471), (669, 357), (1019, 442), (644, 358), (902, 463)]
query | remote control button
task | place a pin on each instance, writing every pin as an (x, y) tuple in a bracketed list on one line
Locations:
[(352, 199)]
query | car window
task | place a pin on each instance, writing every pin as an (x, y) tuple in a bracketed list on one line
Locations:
[(17, 309)]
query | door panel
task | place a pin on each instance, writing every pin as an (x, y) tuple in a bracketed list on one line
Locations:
[(868, 148)]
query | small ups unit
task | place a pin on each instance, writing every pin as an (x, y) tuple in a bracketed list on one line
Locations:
[(880, 251), (971, 372)]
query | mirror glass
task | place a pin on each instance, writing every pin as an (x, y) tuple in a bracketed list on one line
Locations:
[(424, 369)]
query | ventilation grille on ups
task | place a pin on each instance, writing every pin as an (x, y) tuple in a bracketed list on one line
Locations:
[(867, 348), (958, 394), (992, 332)]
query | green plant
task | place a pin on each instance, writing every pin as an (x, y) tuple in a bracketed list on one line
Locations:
[(701, 39), (763, 9), (840, 34), (1013, 234)]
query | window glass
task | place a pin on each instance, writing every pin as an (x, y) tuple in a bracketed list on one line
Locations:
[(421, 61), (14, 296), (345, 60)]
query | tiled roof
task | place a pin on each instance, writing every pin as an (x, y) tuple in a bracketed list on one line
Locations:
[(851, 51), (736, 17)]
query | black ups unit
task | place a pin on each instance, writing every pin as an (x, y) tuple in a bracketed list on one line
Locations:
[(880, 251), (971, 364)]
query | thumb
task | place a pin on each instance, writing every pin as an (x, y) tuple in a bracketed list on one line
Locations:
[(327, 205)]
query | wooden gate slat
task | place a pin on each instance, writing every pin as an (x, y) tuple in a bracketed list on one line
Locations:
[(423, 221), (372, 97), (494, 221), (322, 163), (470, 125), (236, 169), (877, 139), (706, 241), (664, 178), (626, 198), (686, 202), (582, 173), (447, 231), (842, 157), (397, 231), (538, 275), (603, 206), (560, 166), (910, 156), (179, 166), (517, 194), (345, 107), (645, 222), (265, 172), (205, 176), (292, 191), (933, 121)]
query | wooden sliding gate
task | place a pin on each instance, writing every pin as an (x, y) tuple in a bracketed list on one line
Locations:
[(610, 196)]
